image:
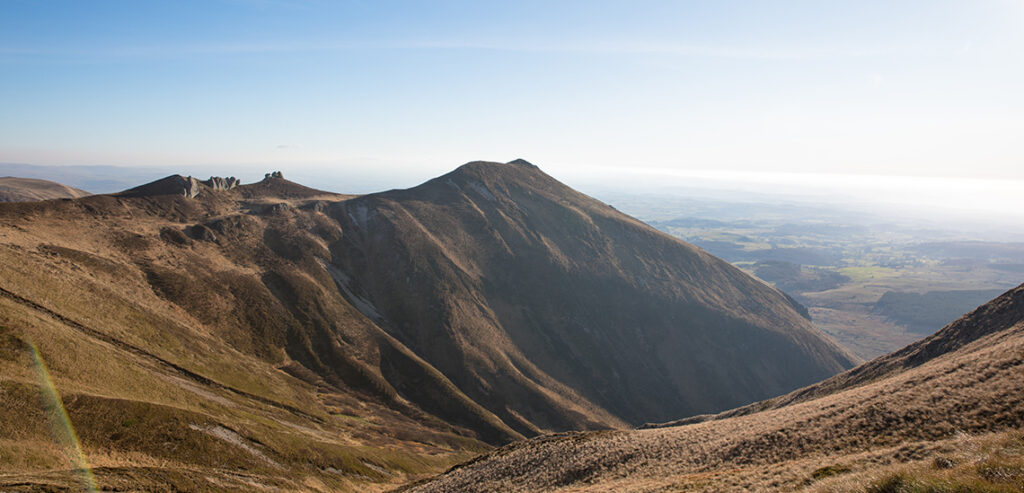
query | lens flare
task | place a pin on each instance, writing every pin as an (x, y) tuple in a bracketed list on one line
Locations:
[(60, 422)]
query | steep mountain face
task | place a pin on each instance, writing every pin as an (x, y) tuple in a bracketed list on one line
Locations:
[(317, 338), (914, 409), (556, 312), (29, 189)]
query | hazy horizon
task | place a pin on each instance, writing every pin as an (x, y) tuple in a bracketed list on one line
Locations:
[(975, 205)]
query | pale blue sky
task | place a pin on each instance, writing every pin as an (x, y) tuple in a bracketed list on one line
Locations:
[(867, 87)]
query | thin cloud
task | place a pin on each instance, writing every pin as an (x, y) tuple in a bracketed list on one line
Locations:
[(577, 47), (668, 48)]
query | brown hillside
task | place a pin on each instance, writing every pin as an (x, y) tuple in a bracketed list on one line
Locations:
[(194, 350), (915, 409), (557, 312), (28, 189)]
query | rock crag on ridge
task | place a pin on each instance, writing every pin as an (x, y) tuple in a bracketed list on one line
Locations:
[(186, 186)]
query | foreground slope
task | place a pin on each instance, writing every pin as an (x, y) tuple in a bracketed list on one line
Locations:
[(29, 189), (557, 312), (905, 407)]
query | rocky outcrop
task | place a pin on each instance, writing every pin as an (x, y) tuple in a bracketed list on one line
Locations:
[(219, 183), (191, 187)]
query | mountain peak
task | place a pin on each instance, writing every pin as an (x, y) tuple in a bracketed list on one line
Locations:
[(491, 167), (490, 179), (523, 162), (517, 170)]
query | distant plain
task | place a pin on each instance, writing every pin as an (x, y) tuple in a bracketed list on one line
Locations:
[(840, 261)]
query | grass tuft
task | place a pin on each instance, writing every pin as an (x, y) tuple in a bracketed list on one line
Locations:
[(827, 471)]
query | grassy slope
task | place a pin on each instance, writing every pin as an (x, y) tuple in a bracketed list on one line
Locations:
[(907, 408), (166, 376)]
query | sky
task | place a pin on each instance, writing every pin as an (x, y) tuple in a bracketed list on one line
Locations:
[(412, 89)]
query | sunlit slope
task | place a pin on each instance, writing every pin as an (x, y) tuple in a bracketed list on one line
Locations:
[(179, 364), (915, 406)]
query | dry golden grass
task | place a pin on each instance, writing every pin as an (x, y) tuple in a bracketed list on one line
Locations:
[(172, 387), (860, 433), (991, 462)]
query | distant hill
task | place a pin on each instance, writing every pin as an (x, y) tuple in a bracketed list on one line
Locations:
[(212, 335), (28, 189), (902, 422)]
